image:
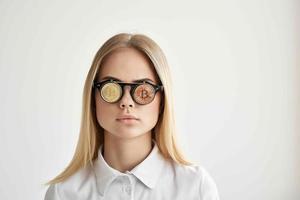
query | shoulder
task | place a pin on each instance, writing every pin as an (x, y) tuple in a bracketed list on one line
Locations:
[(197, 177), (193, 171), (79, 182), (51, 193), (208, 187)]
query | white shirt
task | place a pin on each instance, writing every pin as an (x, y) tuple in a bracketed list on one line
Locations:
[(154, 178)]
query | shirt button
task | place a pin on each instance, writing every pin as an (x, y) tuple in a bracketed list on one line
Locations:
[(128, 189)]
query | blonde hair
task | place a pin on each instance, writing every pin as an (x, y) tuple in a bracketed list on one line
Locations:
[(92, 135)]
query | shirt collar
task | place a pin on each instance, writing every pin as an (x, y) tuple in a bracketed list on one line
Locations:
[(148, 171)]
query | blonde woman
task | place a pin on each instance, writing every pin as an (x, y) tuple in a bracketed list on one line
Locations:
[(127, 146)]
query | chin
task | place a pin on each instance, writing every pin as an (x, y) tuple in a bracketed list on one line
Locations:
[(127, 136)]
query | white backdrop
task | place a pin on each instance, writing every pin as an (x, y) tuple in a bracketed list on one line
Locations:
[(236, 87)]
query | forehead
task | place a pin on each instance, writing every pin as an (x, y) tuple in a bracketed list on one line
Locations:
[(127, 64)]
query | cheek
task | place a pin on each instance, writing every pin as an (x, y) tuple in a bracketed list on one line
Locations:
[(150, 112), (103, 112)]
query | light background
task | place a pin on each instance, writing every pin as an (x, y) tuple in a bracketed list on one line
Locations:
[(235, 67)]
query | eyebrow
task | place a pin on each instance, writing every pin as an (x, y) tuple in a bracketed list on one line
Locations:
[(136, 81)]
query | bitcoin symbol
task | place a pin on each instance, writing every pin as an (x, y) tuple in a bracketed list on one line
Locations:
[(144, 94)]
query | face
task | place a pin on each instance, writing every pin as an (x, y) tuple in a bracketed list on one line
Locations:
[(127, 65)]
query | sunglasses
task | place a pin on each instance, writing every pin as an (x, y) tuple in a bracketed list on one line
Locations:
[(112, 91)]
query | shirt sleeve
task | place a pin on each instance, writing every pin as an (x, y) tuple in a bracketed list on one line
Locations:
[(52, 193), (208, 187)]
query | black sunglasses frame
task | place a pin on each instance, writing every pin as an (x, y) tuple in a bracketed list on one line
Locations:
[(133, 86)]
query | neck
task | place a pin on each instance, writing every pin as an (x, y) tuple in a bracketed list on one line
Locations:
[(124, 154)]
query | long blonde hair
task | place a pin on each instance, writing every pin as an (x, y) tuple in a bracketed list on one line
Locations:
[(91, 135)]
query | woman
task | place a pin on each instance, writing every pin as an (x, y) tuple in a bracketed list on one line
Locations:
[(127, 147)]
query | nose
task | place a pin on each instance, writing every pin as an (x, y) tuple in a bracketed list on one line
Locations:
[(126, 100)]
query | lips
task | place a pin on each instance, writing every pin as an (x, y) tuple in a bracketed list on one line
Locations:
[(124, 117), (127, 119)]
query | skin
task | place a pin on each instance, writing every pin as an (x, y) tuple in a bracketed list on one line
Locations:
[(127, 145)]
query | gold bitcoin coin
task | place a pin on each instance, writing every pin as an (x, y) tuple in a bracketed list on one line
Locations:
[(111, 92), (144, 94)]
